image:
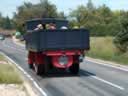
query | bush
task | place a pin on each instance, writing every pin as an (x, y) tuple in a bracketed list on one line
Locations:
[(8, 73), (121, 39), (103, 48)]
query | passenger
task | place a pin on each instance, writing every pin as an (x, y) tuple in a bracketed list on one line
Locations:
[(64, 27), (75, 27), (47, 26), (39, 27), (52, 26)]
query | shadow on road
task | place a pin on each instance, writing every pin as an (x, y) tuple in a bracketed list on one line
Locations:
[(58, 74), (84, 73), (66, 73)]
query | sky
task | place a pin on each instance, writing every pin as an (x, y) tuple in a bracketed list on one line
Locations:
[(8, 7)]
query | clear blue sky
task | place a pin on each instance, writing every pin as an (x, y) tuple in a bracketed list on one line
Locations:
[(7, 7)]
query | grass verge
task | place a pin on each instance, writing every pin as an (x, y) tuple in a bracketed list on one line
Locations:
[(2, 58), (8, 73), (103, 48)]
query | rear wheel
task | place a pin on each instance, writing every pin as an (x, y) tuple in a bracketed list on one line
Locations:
[(74, 69), (30, 66), (39, 69), (49, 63)]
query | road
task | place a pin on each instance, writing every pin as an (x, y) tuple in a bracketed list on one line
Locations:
[(93, 80)]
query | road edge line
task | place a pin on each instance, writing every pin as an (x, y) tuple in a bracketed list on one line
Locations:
[(110, 64), (107, 82)]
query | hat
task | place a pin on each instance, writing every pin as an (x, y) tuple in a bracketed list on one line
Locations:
[(40, 26), (64, 27), (75, 27)]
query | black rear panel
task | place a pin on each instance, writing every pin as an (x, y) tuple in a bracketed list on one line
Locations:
[(58, 40)]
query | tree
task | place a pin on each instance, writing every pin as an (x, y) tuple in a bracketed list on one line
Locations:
[(90, 6), (105, 14), (27, 11), (61, 15), (50, 10), (79, 15), (7, 23), (101, 21), (121, 39), (1, 20)]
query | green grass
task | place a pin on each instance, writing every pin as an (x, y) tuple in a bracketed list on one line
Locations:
[(8, 73), (103, 48), (2, 57)]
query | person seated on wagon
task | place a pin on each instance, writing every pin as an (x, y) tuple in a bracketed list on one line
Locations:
[(39, 27), (52, 26), (64, 27)]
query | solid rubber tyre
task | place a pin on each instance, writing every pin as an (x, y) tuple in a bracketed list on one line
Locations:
[(39, 69), (74, 69), (30, 66)]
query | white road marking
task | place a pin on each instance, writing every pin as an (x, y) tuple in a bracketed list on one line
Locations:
[(25, 73), (107, 82), (109, 65)]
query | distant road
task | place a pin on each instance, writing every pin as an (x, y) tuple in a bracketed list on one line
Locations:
[(93, 80)]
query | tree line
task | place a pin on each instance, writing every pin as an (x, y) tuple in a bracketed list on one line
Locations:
[(6, 22), (101, 21)]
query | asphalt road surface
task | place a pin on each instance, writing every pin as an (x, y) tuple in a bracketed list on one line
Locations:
[(93, 80)]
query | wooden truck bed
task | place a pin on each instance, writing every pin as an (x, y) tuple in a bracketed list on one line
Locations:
[(57, 40)]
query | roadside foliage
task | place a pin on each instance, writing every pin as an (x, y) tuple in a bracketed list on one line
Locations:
[(101, 21), (121, 39), (29, 11)]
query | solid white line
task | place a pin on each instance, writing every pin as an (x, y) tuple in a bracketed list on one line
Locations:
[(108, 65), (25, 73), (107, 82)]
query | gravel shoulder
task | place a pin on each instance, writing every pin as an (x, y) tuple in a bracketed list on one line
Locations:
[(12, 90)]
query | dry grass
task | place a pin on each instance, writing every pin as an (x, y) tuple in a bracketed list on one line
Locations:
[(103, 48), (2, 58), (8, 74)]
